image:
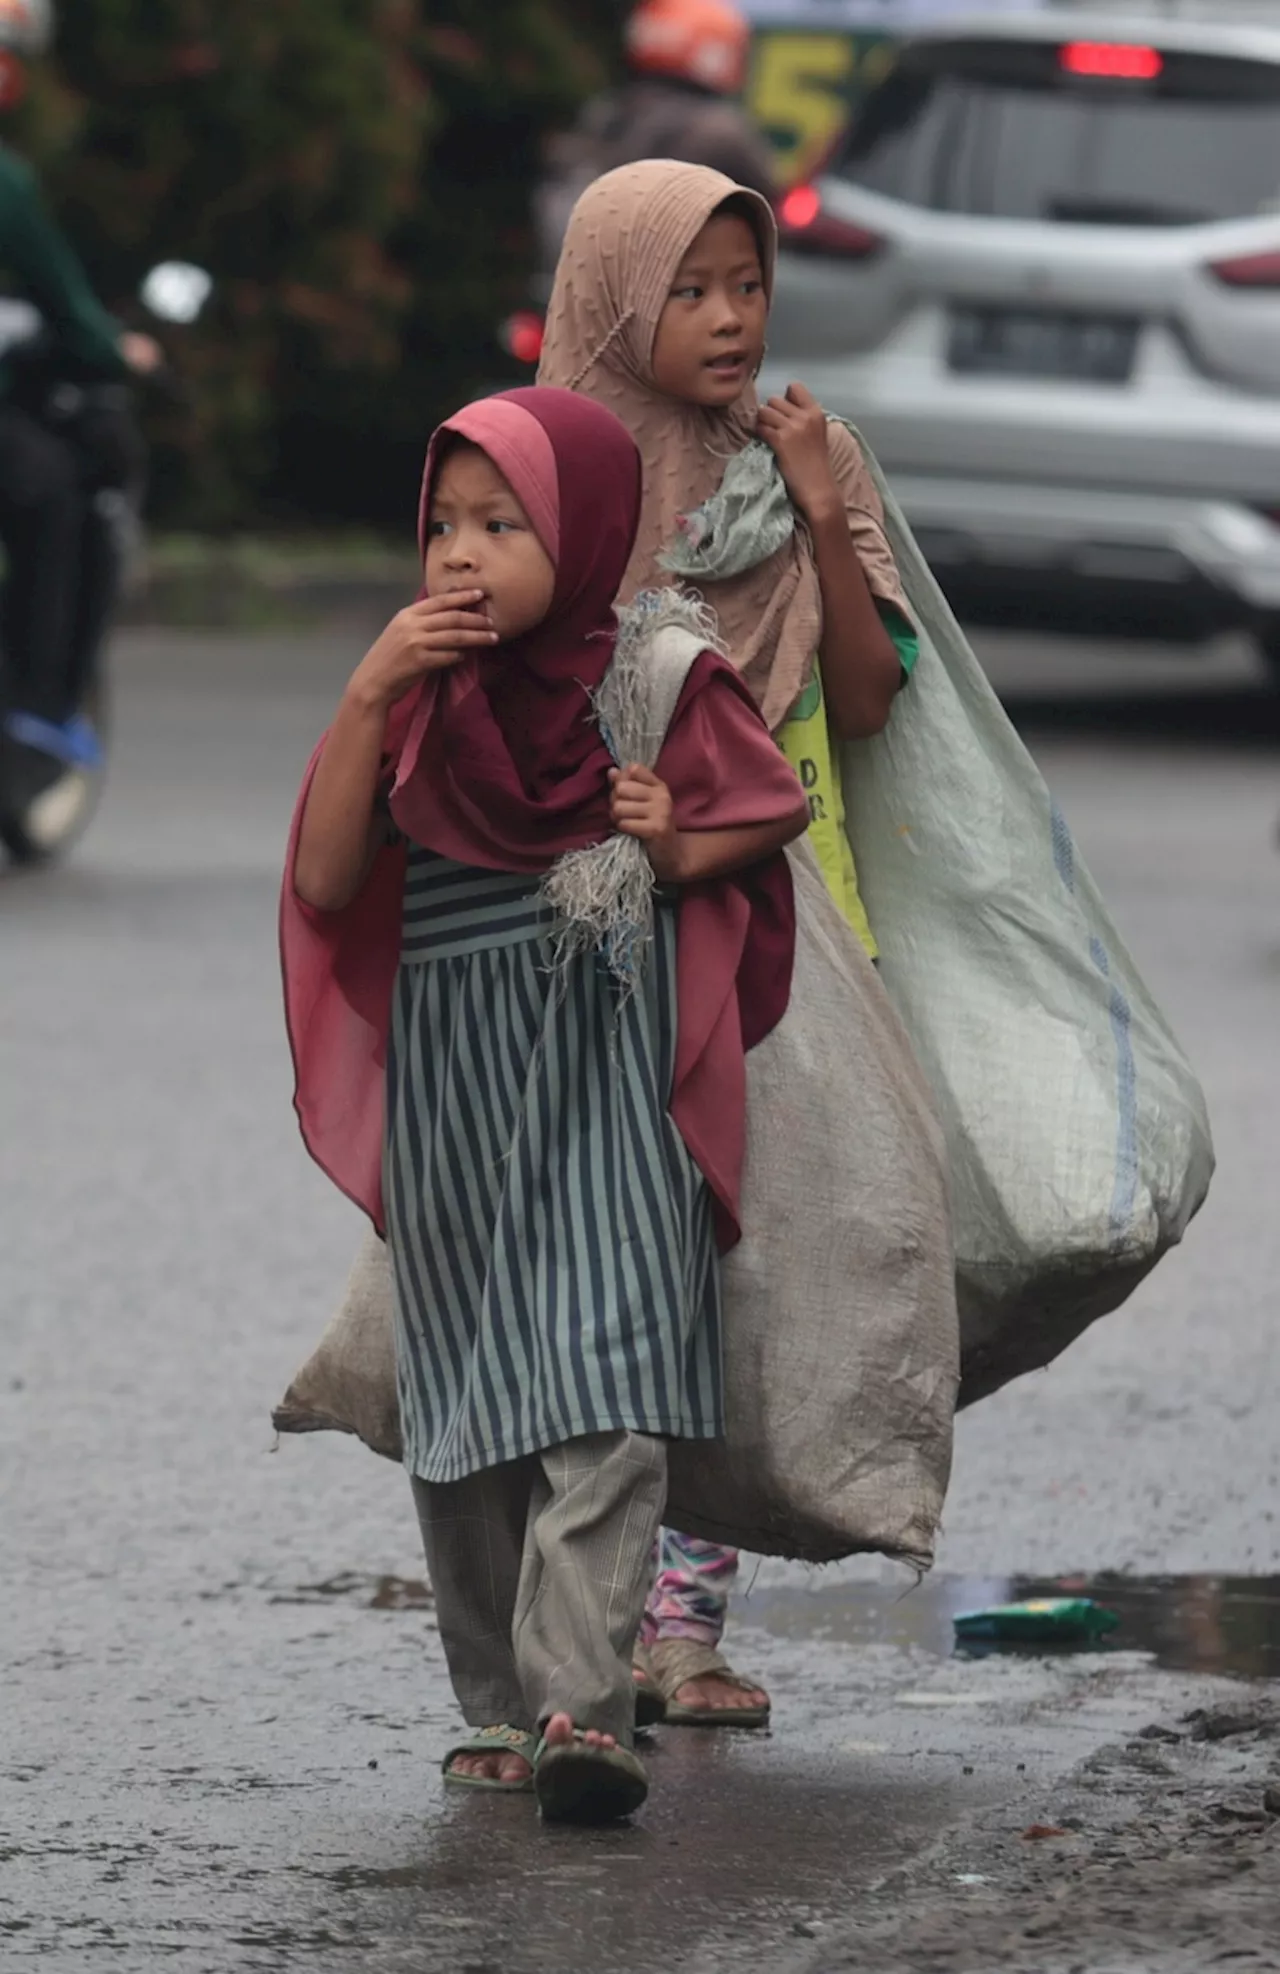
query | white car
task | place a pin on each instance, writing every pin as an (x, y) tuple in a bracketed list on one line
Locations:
[(1042, 274)]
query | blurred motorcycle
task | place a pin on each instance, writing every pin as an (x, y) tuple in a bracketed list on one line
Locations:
[(47, 801)]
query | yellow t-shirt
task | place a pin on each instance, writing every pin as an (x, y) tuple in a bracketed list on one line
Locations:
[(805, 739)]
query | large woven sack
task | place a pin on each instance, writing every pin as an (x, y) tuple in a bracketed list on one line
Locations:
[(841, 1350), (1078, 1135)]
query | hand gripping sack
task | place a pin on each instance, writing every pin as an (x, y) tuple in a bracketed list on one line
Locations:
[(1078, 1136), (841, 1348)]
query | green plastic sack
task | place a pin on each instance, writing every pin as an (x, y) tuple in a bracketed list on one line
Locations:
[(1078, 1134)]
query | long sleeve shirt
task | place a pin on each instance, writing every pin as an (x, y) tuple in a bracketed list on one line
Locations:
[(41, 267)]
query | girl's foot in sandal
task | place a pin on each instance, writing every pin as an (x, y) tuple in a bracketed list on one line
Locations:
[(499, 1758), (581, 1776), (701, 1689), (651, 1708)]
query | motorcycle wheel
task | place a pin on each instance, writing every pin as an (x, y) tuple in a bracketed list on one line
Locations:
[(45, 808)]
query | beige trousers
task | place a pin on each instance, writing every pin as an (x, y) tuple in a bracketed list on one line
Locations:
[(540, 1569)]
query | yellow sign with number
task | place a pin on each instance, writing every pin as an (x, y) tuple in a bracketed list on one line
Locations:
[(803, 86)]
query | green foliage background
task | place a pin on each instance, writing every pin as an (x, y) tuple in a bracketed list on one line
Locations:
[(355, 175)]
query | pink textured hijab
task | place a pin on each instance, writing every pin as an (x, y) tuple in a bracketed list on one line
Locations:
[(627, 236)]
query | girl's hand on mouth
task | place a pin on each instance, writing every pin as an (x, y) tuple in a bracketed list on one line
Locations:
[(428, 636)]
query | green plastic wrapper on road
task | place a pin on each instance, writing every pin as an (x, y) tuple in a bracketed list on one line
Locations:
[(1040, 1621)]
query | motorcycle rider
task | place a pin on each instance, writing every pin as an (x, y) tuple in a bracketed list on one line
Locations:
[(687, 60), (46, 481)]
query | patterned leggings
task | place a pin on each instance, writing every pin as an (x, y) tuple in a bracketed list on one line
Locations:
[(691, 1586)]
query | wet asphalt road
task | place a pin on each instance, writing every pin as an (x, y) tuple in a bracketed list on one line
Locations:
[(222, 1694)]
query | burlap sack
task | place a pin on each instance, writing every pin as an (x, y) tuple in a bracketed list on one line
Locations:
[(841, 1341)]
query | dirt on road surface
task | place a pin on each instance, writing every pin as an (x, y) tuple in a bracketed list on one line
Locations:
[(1163, 1852)]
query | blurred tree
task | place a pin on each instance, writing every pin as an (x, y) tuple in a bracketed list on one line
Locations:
[(500, 74), (354, 174)]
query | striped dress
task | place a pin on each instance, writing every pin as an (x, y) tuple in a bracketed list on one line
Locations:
[(551, 1239)]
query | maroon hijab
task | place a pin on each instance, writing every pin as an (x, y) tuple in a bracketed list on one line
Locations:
[(504, 749), (499, 764)]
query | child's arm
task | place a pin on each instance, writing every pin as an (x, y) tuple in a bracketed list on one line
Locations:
[(641, 806), (340, 833), (861, 669)]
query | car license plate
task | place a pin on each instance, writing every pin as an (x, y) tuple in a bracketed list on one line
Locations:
[(1038, 343)]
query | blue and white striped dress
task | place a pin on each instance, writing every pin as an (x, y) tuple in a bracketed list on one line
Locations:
[(551, 1239)]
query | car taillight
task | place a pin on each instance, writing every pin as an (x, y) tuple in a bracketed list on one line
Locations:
[(1119, 61), (800, 207), (521, 336), (1248, 270), (805, 225)]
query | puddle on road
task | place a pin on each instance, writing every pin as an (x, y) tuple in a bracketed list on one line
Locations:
[(1210, 1624), (1207, 1624), (1203, 1624)]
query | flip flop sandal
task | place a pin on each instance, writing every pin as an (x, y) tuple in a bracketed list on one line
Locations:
[(578, 1784), (500, 1740), (651, 1708), (675, 1661)]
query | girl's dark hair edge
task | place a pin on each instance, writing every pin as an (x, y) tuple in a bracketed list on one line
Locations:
[(740, 205)]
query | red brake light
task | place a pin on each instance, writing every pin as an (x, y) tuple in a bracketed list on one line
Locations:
[(521, 336), (800, 206), (806, 226), (1248, 270), (1117, 60)]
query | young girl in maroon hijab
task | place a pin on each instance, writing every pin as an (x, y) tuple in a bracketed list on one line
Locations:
[(549, 1134)]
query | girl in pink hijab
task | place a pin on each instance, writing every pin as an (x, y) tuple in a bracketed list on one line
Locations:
[(550, 1138), (659, 311)]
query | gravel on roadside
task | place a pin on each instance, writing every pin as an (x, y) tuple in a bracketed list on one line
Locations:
[(1159, 1855)]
